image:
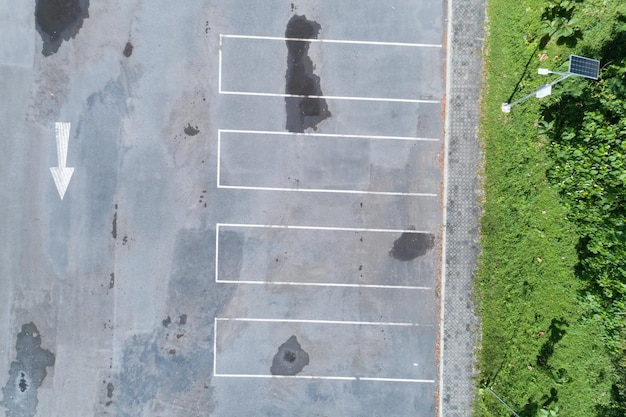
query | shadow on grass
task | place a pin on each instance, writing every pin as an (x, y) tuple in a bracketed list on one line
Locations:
[(532, 407), (490, 379), (616, 408), (519, 82), (556, 332), (615, 49)]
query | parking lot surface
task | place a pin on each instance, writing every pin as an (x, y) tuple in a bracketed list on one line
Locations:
[(222, 208)]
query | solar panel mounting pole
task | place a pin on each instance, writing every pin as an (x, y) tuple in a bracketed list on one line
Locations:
[(502, 401), (578, 65)]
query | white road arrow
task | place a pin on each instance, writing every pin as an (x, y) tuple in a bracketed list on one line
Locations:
[(62, 174)]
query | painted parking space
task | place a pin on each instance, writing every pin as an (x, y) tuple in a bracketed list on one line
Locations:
[(318, 162), (300, 255), (256, 65), (324, 349)]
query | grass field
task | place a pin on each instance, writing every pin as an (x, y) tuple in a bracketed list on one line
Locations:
[(540, 348)]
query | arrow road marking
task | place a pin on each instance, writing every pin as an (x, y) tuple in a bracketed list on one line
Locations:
[(62, 174)]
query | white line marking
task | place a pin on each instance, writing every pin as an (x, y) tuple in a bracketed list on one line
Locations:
[(323, 284), (324, 190), (219, 71), (444, 218), (330, 378), (219, 66), (327, 135), (219, 156), (353, 42), (341, 229), (384, 99), (340, 322), (214, 346), (217, 251), (336, 378), (428, 381)]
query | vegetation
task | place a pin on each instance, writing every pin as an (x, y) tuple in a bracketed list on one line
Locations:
[(552, 274)]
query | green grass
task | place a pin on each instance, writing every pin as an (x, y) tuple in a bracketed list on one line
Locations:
[(529, 299)]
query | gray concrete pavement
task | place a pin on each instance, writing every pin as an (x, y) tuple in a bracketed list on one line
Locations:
[(461, 327), (198, 234)]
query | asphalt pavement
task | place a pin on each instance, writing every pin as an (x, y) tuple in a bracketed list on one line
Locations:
[(238, 208)]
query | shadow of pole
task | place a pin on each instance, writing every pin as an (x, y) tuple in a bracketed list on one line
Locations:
[(519, 82)]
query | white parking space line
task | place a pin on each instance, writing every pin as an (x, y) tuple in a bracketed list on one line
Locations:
[(329, 378), (327, 135), (355, 98), (323, 190), (221, 132), (279, 38), (346, 322), (214, 346), (321, 41), (322, 284), (343, 229)]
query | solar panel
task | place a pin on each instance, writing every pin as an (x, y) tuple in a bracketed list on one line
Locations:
[(585, 67)]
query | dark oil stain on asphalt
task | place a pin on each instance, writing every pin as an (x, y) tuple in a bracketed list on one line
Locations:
[(59, 20), (412, 245), (128, 49), (23, 383), (191, 130), (290, 358), (302, 112), (26, 374)]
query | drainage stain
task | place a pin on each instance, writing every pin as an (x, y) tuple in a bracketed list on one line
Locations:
[(27, 372), (290, 358), (302, 112), (110, 388), (59, 20), (412, 245)]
